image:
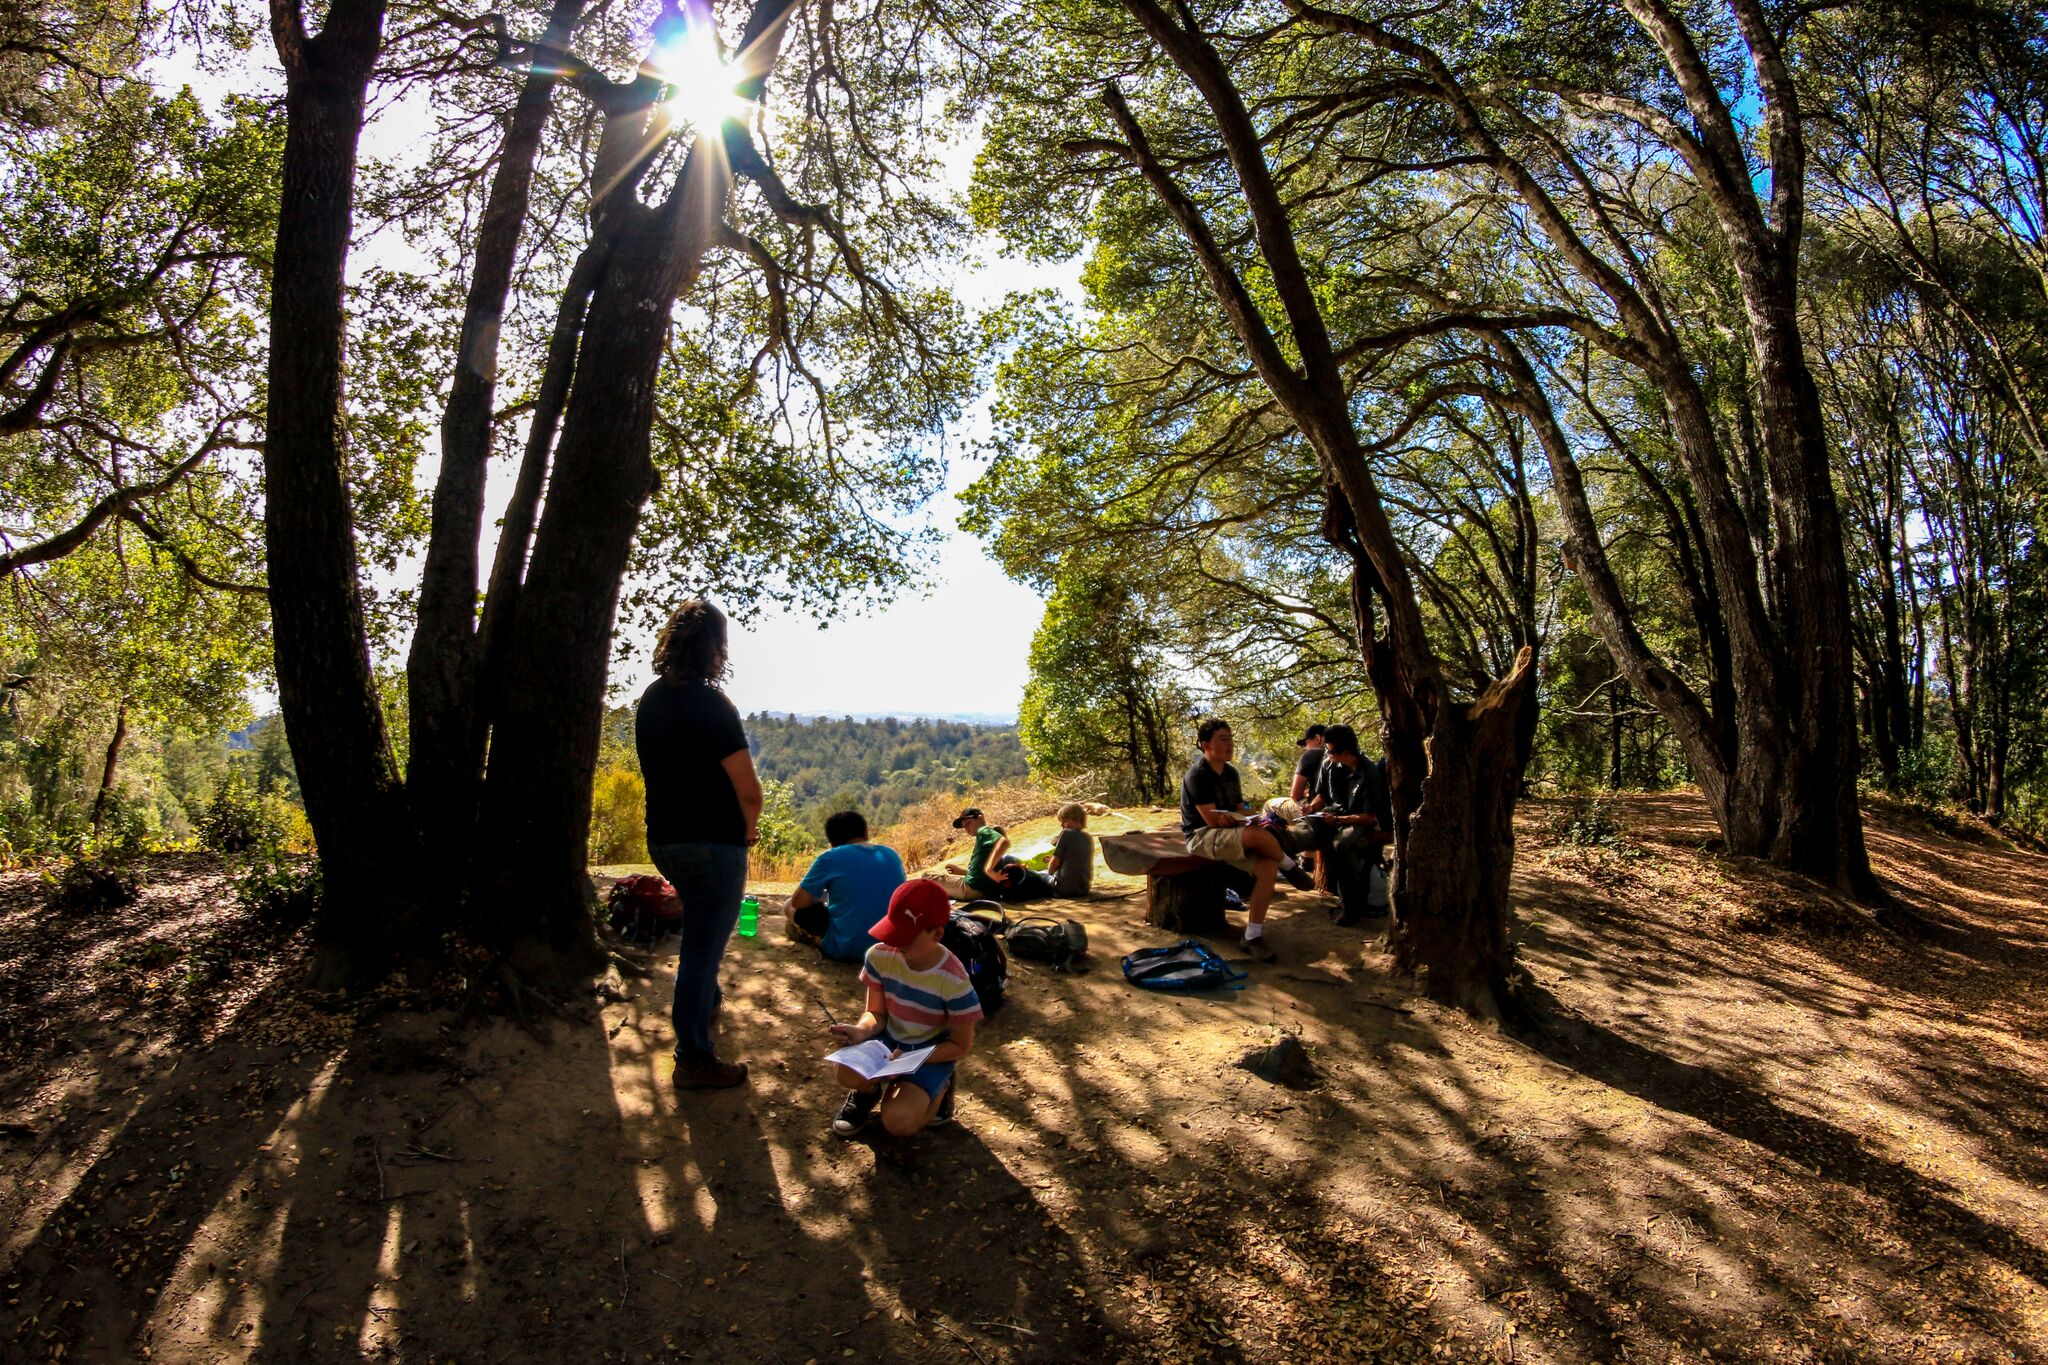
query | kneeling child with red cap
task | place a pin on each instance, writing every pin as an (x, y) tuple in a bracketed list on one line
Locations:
[(918, 994)]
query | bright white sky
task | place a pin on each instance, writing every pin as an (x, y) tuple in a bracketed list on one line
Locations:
[(904, 657)]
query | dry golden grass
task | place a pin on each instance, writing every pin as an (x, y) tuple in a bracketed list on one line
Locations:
[(789, 868), (925, 830)]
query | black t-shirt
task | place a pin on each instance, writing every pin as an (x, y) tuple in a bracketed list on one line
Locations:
[(1356, 791), (1204, 786), (1310, 763), (685, 732), (1336, 784)]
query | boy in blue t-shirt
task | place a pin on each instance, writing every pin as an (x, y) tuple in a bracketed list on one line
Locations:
[(846, 890)]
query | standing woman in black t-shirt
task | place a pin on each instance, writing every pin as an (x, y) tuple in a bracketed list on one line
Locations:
[(703, 810)]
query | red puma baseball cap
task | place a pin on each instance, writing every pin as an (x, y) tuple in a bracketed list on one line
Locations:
[(917, 906)]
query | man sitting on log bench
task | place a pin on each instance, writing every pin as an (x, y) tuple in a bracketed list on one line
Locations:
[(1352, 819), (1213, 819)]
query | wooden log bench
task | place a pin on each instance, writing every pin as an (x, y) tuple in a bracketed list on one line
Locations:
[(1183, 893)]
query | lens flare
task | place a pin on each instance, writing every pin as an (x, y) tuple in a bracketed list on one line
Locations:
[(700, 84)]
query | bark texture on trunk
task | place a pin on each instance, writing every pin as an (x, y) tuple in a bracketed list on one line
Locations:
[(550, 696), (445, 761), (354, 800), (110, 767), (1452, 868), (1820, 826), (551, 643)]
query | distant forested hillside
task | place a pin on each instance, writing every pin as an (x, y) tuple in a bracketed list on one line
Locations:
[(880, 766), (877, 767)]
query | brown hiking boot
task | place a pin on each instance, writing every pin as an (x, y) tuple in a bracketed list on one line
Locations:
[(1258, 950), (713, 1075)]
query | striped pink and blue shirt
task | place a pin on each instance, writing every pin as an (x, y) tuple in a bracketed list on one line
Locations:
[(920, 1004)]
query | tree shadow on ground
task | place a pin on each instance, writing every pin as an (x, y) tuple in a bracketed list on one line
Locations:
[(1719, 1143), (199, 1137), (1927, 1208)]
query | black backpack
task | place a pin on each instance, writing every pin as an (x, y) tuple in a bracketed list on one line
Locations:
[(1059, 942), (977, 941)]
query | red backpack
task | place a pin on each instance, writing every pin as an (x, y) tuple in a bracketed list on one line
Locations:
[(642, 908)]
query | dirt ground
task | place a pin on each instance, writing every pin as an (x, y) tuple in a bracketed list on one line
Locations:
[(1749, 1125)]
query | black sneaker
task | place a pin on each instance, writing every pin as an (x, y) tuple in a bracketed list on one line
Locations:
[(945, 1111), (1298, 877), (1258, 950), (855, 1113)]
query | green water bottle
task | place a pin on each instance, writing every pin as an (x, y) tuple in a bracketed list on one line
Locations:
[(750, 917)]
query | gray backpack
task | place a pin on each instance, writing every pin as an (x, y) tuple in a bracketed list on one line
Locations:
[(1057, 942)]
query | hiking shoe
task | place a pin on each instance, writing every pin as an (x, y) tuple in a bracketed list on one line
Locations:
[(713, 1075), (1298, 877), (798, 934), (1258, 950), (855, 1113), (945, 1111)]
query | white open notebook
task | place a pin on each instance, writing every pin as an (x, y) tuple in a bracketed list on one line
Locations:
[(871, 1060)]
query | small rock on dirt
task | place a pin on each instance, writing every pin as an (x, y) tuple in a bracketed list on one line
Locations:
[(1285, 1062)]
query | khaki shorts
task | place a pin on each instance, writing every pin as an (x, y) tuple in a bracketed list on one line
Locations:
[(1223, 846)]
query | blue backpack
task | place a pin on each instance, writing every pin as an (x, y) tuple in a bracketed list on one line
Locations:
[(1186, 966)]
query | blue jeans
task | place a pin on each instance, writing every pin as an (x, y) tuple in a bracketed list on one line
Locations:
[(709, 879)]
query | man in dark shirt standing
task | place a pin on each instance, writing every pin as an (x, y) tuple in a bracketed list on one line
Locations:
[(1353, 817), (1212, 817)]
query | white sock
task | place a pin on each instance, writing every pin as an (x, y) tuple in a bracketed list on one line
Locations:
[(1289, 863), (1252, 931)]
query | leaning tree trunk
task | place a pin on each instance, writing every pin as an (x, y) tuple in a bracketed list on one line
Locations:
[(1454, 771), (549, 708), (531, 890), (106, 791), (346, 771), (446, 758)]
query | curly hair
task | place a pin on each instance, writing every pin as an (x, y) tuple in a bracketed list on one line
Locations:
[(1209, 727), (691, 647)]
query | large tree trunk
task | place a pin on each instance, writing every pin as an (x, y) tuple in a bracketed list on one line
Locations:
[(1454, 771), (445, 763), (108, 769), (354, 801), (1454, 862), (549, 709), (552, 647), (1820, 826)]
